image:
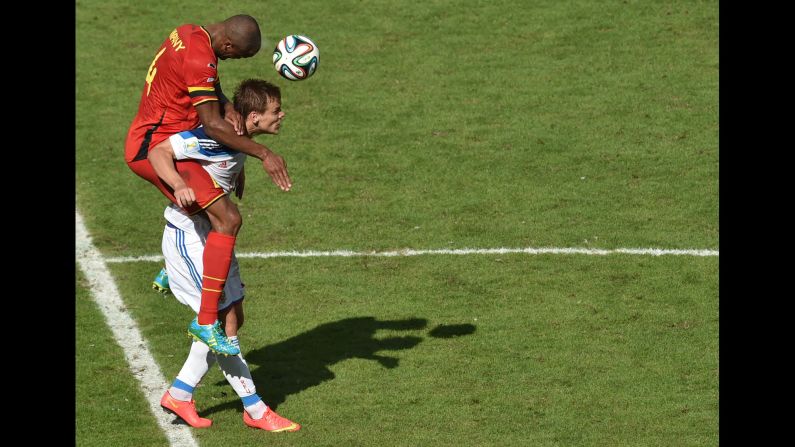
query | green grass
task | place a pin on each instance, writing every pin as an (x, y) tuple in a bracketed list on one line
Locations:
[(110, 408), (439, 124), (546, 351)]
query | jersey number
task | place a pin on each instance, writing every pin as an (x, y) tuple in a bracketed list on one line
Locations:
[(150, 76)]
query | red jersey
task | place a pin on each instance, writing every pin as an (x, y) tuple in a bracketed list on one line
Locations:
[(182, 75)]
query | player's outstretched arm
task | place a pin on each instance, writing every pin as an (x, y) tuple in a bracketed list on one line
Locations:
[(161, 157), (223, 132)]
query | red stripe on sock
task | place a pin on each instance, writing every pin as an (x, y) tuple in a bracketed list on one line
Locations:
[(217, 258)]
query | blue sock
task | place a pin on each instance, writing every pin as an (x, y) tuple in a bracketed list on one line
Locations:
[(254, 406)]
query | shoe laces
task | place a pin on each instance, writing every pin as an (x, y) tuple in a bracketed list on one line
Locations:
[(216, 330), (219, 335)]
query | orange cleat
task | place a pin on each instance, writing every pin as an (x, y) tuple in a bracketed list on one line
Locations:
[(185, 410), (271, 421)]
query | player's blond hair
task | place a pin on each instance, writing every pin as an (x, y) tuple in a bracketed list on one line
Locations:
[(253, 95)]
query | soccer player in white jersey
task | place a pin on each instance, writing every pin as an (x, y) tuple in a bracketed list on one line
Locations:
[(259, 103)]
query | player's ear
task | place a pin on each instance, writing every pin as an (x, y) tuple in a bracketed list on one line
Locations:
[(254, 117)]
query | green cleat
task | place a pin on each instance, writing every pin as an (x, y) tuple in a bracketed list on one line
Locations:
[(212, 336), (161, 282)]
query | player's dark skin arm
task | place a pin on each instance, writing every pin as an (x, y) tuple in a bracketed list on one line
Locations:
[(221, 131), (230, 114)]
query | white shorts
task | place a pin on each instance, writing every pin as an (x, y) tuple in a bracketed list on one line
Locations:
[(183, 254)]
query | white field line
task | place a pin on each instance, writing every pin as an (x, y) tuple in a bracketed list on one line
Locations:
[(140, 360), (460, 251)]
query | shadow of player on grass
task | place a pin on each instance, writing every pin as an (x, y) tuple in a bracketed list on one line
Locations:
[(301, 362)]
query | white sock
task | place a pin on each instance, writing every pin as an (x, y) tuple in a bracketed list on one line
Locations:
[(180, 394), (196, 365), (257, 410), (239, 376), (237, 373)]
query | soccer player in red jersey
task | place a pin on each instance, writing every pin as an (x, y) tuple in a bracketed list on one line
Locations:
[(259, 102), (182, 92)]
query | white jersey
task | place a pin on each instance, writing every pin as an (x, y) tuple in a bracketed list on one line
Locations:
[(183, 252), (198, 223), (185, 236), (222, 163)]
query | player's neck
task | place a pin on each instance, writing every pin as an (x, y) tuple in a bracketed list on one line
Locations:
[(214, 30)]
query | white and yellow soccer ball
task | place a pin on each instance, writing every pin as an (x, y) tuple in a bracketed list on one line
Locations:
[(296, 57)]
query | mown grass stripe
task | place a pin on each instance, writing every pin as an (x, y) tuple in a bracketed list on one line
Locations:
[(461, 251), (141, 362)]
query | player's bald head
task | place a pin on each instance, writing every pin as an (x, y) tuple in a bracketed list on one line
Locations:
[(243, 31)]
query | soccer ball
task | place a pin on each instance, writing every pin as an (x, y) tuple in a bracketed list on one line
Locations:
[(295, 57)]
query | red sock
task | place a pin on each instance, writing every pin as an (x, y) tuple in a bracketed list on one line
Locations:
[(216, 258)]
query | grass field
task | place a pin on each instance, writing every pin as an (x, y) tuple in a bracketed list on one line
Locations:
[(435, 125)]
